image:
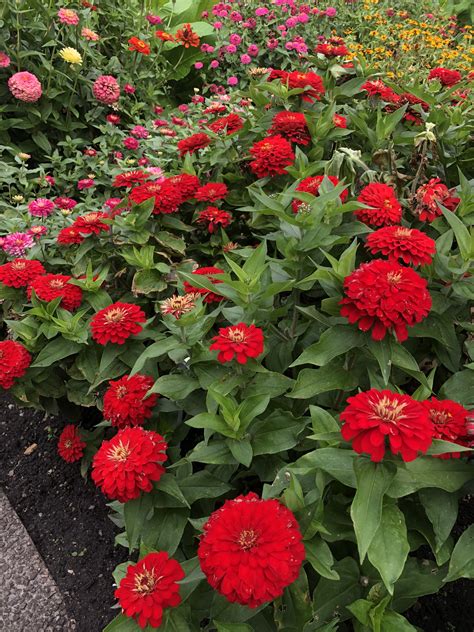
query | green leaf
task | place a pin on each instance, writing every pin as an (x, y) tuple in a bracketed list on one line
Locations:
[(202, 485), (460, 388), (293, 609), (57, 349), (233, 627), (193, 577), (419, 577), (156, 350), (373, 480), (311, 382), (336, 462), (447, 474), (442, 510), (169, 485), (320, 557), (464, 239), (394, 622), (136, 512), (122, 624), (175, 386), (333, 596), (241, 451), (462, 558), (43, 143), (275, 434), (163, 532), (389, 548), (215, 453), (210, 422), (333, 342)]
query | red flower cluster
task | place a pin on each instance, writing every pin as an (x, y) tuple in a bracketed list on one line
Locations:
[(271, 156), (20, 272), (242, 341), (428, 198), (214, 218), (14, 360), (211, 192), (193, 143), (125, 403), (333, 47), (117, 322), (309, 81), (446, 76), (139, 46), (379, 89), (311, 185), (129, 463), (70, 445), (251, 550), (47, 287), (230, 124), (149, 587), (339, 121), (383, 207), (397, 242), (129, 178), (208, 296), (69, 235), (374, 416), (292, 126), (385, 296), (449, 421), (167, 196), (88, 224), (186, 184)]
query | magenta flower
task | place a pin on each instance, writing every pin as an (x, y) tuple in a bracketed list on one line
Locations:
[(232, 81), (5, 61), (86, 183), (235, 39), (24, 86), (245, 59), (106, 89), (129, 89), (131, 143), (16, 244), (41, 207)]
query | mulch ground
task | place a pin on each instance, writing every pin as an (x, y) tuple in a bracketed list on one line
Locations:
[(67, 520)]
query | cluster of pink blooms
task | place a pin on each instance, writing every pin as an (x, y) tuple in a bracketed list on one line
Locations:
[(106, 89), (25, 86)]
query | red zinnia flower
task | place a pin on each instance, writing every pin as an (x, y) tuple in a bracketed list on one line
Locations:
[(187, 37), (379, 89), (150, 586), (446, 76), (166, 195), (271, 156), (251, 550), (298, 79), (214, 217), (211, 192), (125, 403), (164, 36), (333, 47), (231, 123), (130, 177), (14, 360), (129, 463), (292, 126), (193, 143), (208, 296), (385, 296), (139, 46), (117, 322), (242, 341), (373, 416), (429, 196), (91, 223), (69, 235), (185, 184), (20, 272), (339, 121), (384, 209), (311, 185), (449, 421), (397, 242), (47, 287), (70, 445)]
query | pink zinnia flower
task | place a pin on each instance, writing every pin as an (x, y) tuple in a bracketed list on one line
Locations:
[(153, 19), (252, 50), (37, 231), (232, 81), (106, 89), (214, 64), (245, 59), (198, 65), (16, 244), (5, 61), (41, 207), (235, 39), (65, 203), (331, 12), (90, 35), (129, 89), (139, 131), (24, 86), (68, 16), (86, 183), (261, 11), (131, 143)]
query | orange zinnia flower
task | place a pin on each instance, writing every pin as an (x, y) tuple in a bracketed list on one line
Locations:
[(164, 36), (139, 46), (187, 37)]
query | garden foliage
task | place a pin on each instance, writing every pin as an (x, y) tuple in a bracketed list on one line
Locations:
[(266, 292)]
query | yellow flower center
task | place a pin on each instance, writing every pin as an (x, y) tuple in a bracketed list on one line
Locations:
[(247, 539), (388, 410), (120, 452), (236, 335)]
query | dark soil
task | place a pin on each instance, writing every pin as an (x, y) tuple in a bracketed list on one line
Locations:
[(65, 515), (67, 519)]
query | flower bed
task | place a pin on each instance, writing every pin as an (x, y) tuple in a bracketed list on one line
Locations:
[(266, 294)]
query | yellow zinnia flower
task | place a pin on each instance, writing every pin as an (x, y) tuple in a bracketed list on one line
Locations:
[(71, 55)]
